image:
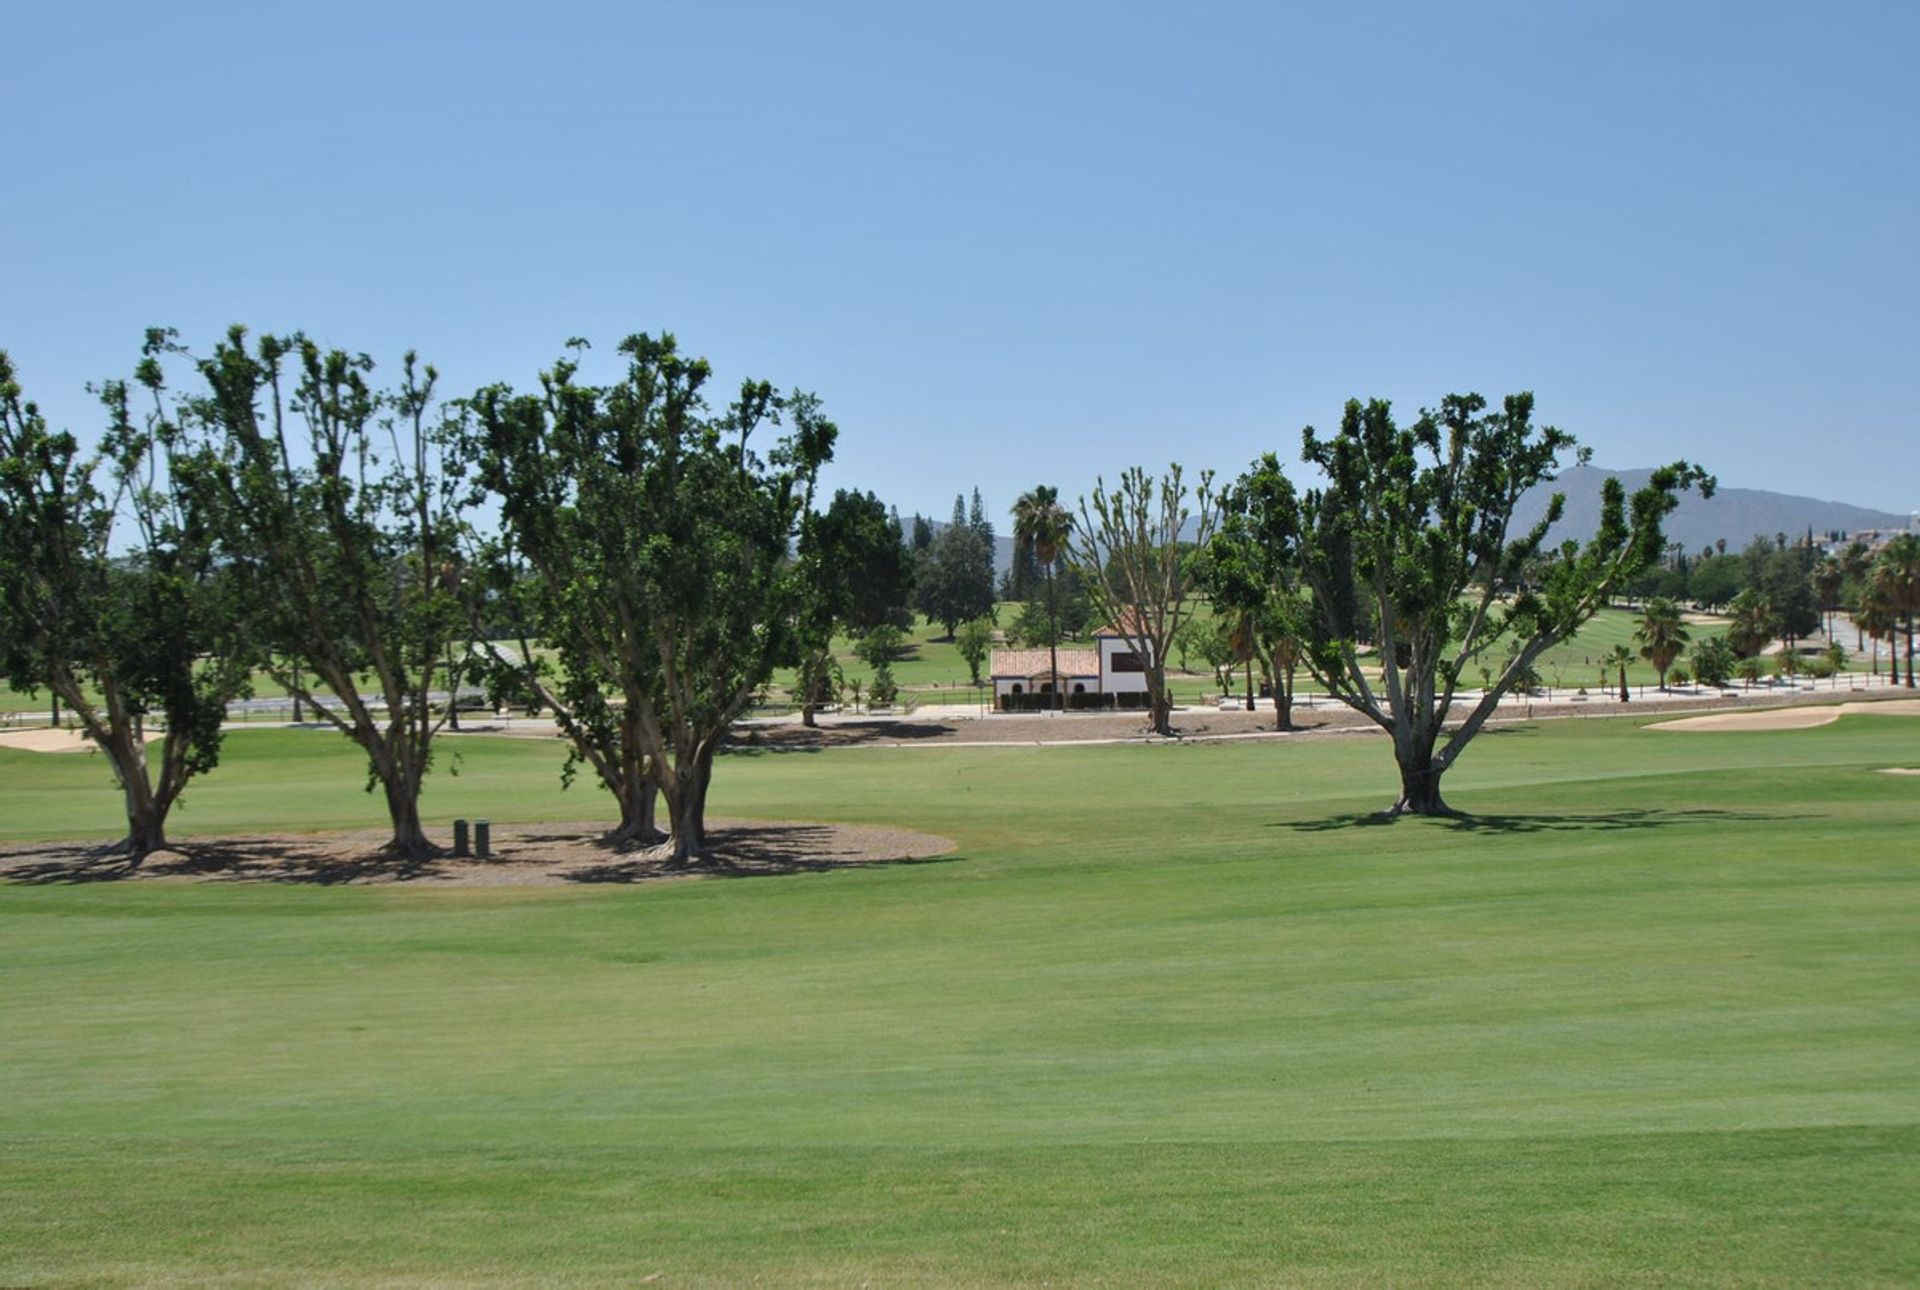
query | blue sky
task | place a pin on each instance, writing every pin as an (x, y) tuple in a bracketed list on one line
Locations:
[(1024, 243)]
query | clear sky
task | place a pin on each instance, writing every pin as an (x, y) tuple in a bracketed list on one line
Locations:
[(1023, 243)]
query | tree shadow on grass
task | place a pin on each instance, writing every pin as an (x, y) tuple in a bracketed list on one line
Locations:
[(258, 859), (840, 734), (1558, 822), (755, 851)]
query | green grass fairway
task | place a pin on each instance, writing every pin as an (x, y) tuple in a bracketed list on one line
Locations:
[(1170, 1015)]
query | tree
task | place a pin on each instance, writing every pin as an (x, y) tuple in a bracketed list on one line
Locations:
[(856, 575), (922, 533), (1248, 576), (1040, 529), (1713, 661), (1828, 577), (119, 638), (693, 533), (1619, 657), (353, 564), (1898, 571), (1411, 529), (1879, 619), (1752, 627), (953, 578), (1132, 548), (1661, 636), (1749, 668), (974, 641)]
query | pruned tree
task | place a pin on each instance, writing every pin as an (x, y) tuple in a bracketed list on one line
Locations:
[(563, 473), (1411, 530), (125, 637), (337, 512), (694, 591), (1133, 548)]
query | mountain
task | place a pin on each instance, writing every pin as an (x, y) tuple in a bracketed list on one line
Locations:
[(1736, 514)]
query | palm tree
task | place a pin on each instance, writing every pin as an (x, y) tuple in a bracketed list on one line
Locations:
[(1899, 567), (1877, 618), (1620, 657), (1752, 627), (1661, 635), (1827, 578), (1041, 526)]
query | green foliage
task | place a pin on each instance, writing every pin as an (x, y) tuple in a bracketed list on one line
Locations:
[(975, 642), (665, 539), (1661, 635), (337, 512), (1409, 538), (881, 647), (150, 633), (953, 577), (1713, 661)]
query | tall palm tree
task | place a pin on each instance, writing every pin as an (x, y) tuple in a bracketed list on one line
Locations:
[(1661, 635), (1041, 526), (1899, 566)]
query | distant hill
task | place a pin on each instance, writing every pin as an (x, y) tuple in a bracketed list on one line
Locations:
[(1736, 514)]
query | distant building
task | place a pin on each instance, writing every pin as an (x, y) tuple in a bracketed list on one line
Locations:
[(1111, 674)]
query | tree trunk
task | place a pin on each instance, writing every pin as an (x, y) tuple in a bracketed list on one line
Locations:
[(1420, 793), (1053, 642), (1909, 651), (146, 815), (639, 808), (806, 716), (687, 810), (1159, 703), (1624, 696), (409, 840)]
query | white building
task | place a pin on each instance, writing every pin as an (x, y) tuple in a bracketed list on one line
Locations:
[(1111, 674)]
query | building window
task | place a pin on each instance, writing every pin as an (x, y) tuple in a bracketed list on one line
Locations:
[(1016, 687), (1125, 661)]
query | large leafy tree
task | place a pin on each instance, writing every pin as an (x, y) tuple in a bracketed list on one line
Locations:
[(1133, 548), (1040, 529), (1410, 534), (1661, 635), (563, 473), (953, 576), (125, 635), (691, 583), (856, 576), (337, 510)]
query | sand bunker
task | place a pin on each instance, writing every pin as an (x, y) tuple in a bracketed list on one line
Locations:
[(1804, 718), (54, 741), (1900, 770)]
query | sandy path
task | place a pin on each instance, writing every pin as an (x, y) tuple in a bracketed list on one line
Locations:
[(54, 741), (1789, 718)]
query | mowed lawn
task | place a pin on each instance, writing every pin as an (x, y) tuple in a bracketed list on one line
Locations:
[(1168, 1015)]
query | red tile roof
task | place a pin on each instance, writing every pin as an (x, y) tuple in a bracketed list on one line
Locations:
[(1024, 663)]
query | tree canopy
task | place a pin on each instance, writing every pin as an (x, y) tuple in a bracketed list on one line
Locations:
[(1408, 541)]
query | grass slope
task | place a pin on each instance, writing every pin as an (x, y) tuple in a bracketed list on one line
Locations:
[(1169, 1015)]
